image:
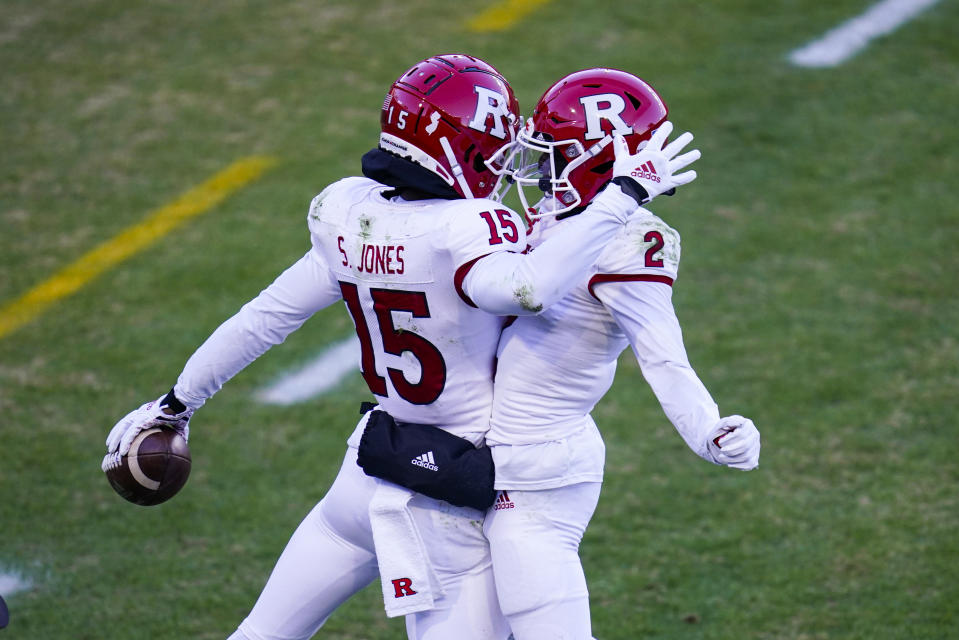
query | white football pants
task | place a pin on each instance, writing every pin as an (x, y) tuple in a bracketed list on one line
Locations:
[(331, 556), (534, 537)]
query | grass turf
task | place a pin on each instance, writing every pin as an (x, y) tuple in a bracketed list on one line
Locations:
[(817, 294)]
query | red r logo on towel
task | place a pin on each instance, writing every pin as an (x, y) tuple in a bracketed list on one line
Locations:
[(403, 587)]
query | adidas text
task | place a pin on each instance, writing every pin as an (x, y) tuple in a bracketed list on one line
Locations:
[(426, 461), (646, 171), (645, 175)]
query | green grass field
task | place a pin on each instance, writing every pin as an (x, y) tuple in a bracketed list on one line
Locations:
[(818, 295)]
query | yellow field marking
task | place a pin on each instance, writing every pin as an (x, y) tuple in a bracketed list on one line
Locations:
[(503, 15), (158, 223)]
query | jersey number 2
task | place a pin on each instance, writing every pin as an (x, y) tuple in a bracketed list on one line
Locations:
[(657, 239), (395, 342)]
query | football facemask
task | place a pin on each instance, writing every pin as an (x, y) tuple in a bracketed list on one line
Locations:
[(540, 169), (565, 150)]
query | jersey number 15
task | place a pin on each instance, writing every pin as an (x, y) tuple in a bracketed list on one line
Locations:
[(395, 342)]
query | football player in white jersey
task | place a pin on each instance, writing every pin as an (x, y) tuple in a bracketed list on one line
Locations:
[(423, 259), (555, 366)]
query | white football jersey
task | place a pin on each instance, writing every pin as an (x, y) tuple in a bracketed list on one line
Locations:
[(427, 353), (409, 273), (554, 367)]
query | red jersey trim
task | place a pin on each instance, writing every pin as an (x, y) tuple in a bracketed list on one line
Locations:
[(622, 277), (460, 275)]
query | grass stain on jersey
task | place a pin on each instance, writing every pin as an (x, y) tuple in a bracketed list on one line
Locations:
[(671, 249), (366, 224), (524, 296)]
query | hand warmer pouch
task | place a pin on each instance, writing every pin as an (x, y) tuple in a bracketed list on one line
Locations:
[(427, 460)]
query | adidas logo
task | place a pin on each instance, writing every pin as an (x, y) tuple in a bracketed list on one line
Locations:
[(646, 171), (426, 461), (503, 502)]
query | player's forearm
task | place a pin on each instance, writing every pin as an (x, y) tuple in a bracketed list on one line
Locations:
[(658, 346), (644, 311), (685, 401), (512, 284), (265, 321), (234, 345)]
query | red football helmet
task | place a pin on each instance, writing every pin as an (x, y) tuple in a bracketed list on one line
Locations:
[(450, 114), (565, 151)]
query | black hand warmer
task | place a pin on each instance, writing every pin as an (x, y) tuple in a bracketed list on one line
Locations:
[(427, 460)]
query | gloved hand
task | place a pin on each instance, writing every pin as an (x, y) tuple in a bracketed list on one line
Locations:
[(734, 442), (164, 411), (651, 171)]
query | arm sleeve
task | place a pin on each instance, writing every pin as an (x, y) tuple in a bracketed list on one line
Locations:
[(644, 310), (506, 283), (279, 310)]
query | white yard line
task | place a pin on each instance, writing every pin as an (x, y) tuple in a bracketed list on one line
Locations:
[(11, 583), (850, 37), (320, 374)]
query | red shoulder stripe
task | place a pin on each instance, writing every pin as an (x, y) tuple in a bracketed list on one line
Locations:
[(460, 275), (600, 278)]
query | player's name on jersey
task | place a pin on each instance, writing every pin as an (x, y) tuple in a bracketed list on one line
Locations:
[(387, 261), (375, 258)]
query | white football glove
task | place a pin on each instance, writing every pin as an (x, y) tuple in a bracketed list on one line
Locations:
[(734, 442), (651, 171), (152, 414)]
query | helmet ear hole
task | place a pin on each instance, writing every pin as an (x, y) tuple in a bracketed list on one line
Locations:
[(603, 168), (479, 163), (636, 102)]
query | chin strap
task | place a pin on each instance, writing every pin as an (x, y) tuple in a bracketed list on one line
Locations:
[(455, 167)]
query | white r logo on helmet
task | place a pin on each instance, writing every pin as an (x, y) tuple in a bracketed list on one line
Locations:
[(490, 103), (612, 108)]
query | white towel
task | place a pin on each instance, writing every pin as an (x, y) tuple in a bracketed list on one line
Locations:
[(406, 577)]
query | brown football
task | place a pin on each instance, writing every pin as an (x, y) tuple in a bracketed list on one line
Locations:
[(156, 468)]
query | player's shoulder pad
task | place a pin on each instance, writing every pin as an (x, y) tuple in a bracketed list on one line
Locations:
[(343, 190), (479, 226), (645, 245)]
